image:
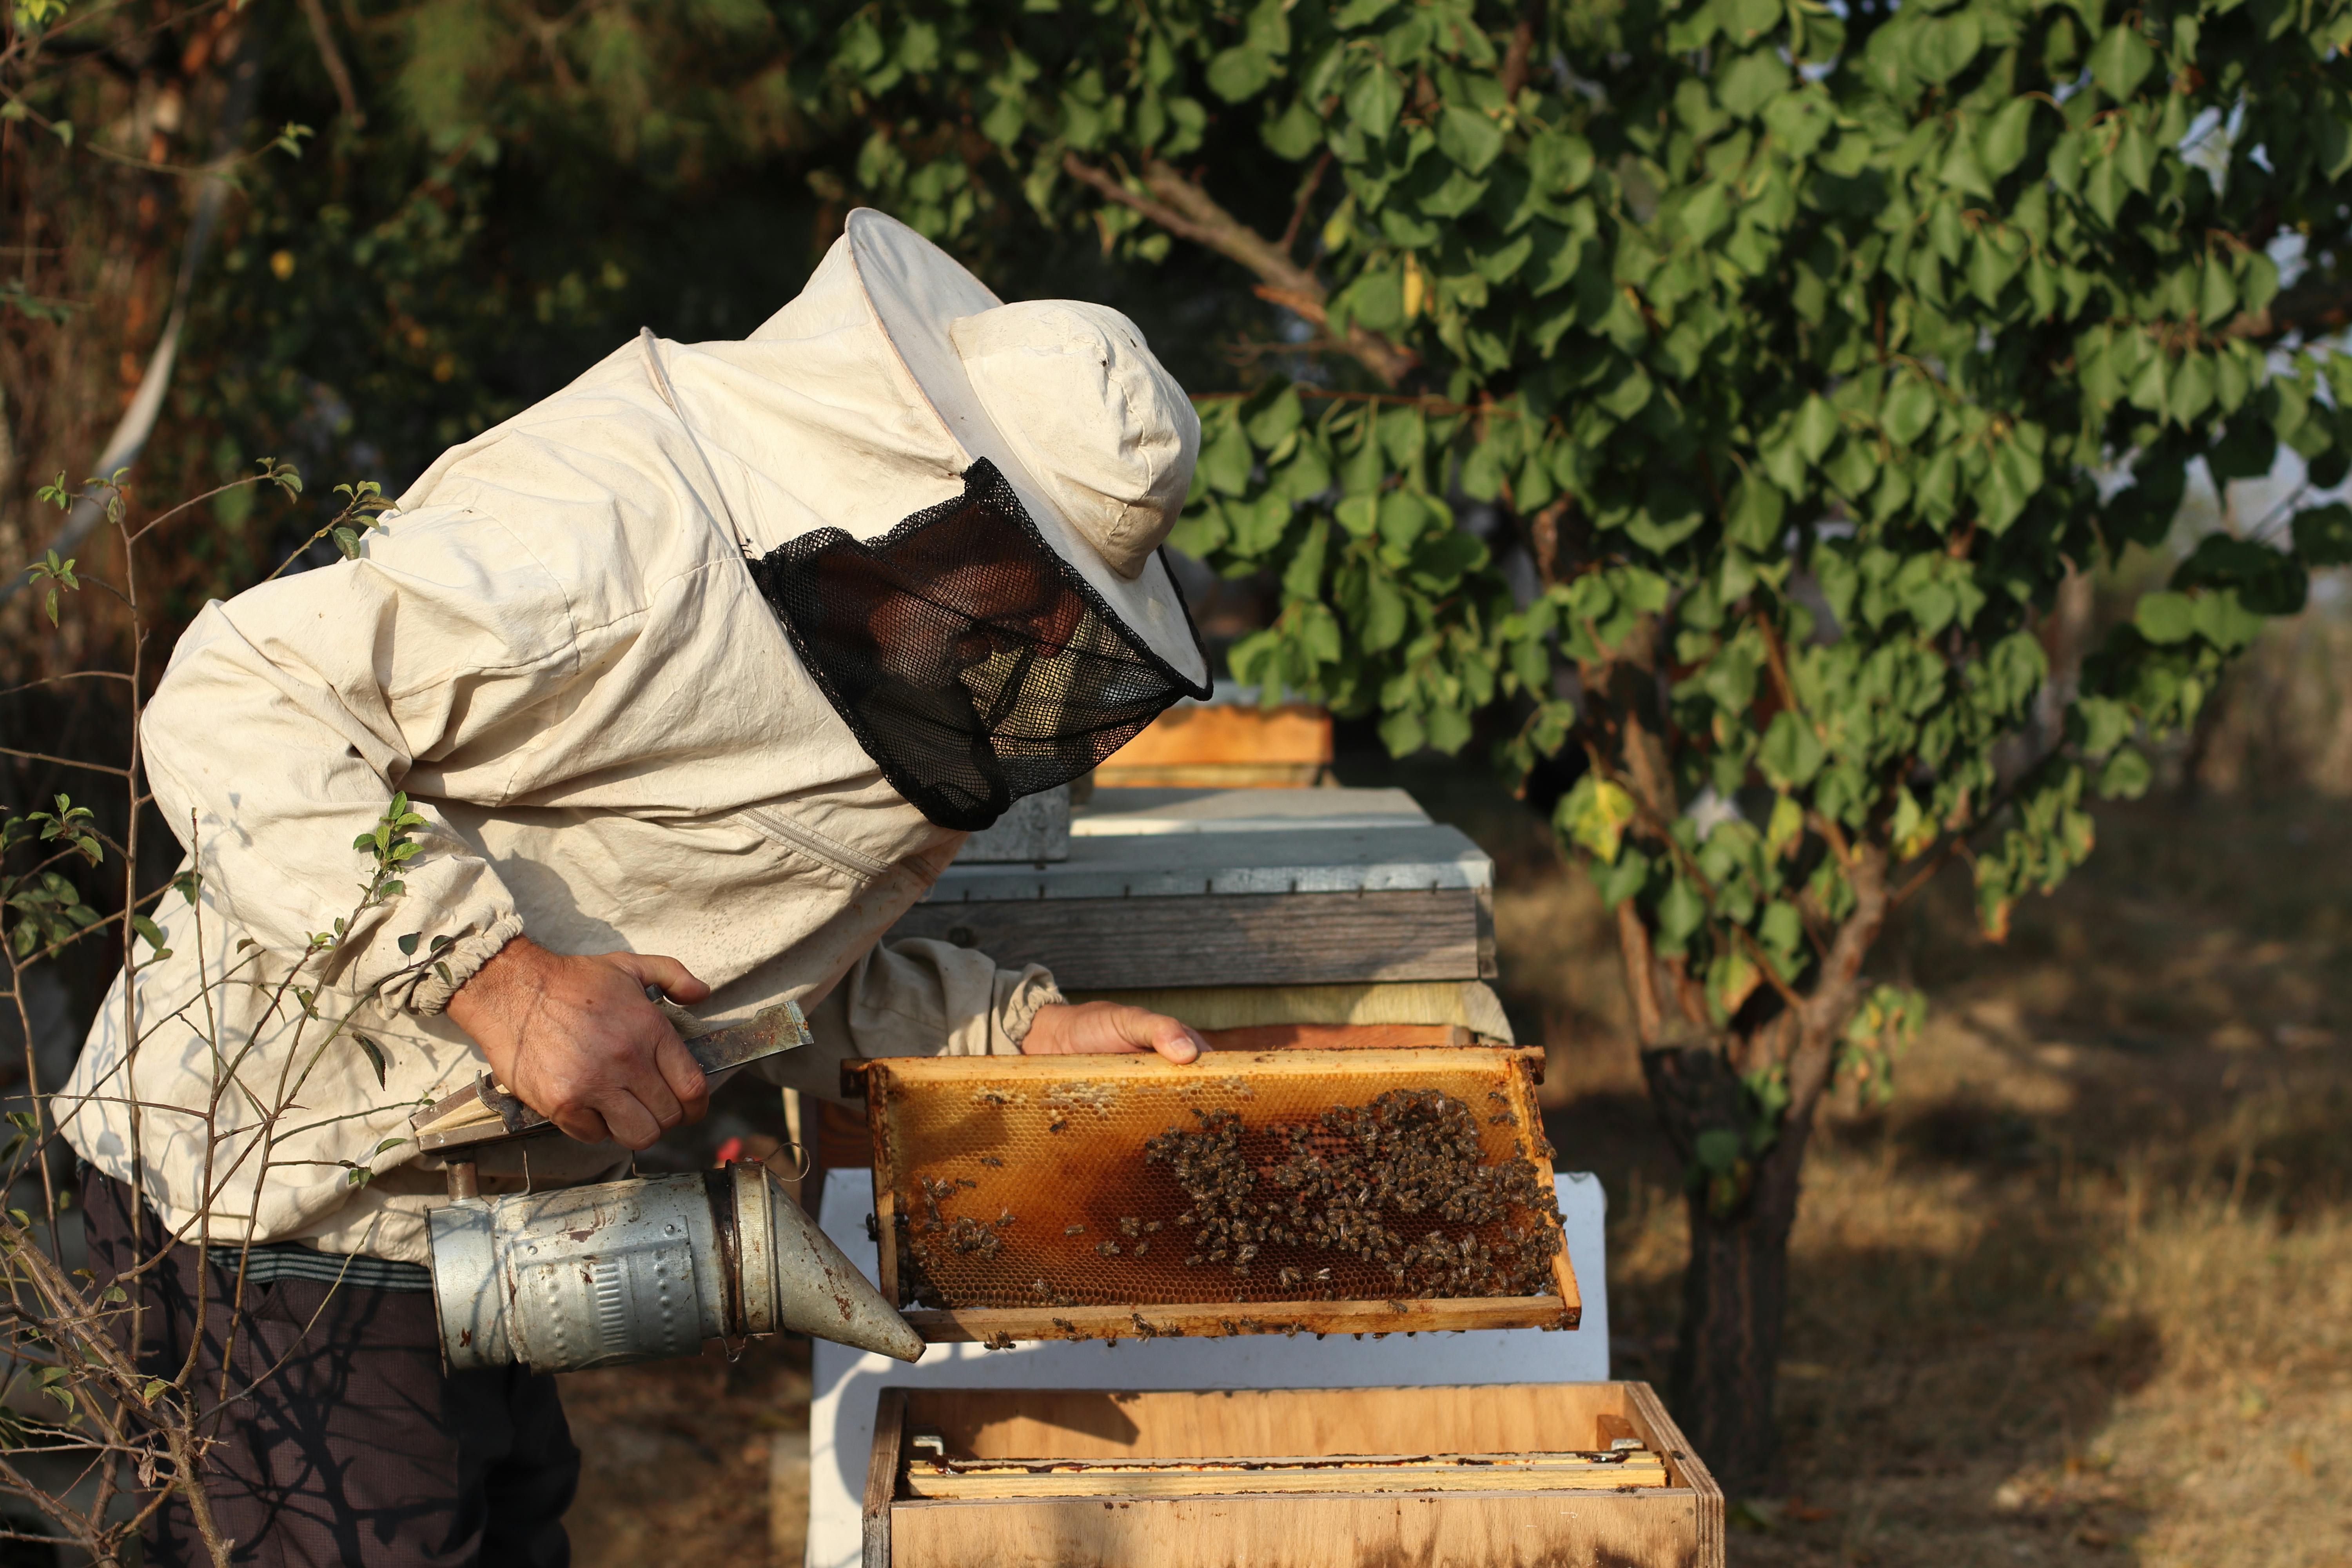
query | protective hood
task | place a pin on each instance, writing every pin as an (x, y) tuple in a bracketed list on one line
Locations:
[(953, 505)]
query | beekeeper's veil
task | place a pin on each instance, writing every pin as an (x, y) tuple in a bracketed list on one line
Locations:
[(955, 506)]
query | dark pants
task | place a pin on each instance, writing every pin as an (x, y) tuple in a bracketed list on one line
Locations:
[(358, 1449)]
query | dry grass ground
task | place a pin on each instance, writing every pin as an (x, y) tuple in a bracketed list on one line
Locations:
[(2082, 1293), (675, 1459)]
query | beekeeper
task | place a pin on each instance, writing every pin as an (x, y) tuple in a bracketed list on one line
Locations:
[(696, 673)]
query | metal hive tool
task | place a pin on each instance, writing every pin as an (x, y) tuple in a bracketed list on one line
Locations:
[(1022, 1197)]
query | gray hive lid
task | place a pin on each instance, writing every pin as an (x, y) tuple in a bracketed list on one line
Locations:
[(1169, 843)]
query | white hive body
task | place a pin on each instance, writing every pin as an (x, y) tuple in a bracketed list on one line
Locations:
[(640, 1270)]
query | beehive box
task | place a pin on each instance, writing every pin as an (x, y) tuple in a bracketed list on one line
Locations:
[(1517, 1473), (1267, 1192), (1195, 887)]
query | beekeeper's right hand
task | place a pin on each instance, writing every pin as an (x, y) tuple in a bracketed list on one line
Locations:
[(574, 1037)]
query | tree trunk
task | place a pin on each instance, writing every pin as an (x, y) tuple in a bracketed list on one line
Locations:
[(1735, 1287)]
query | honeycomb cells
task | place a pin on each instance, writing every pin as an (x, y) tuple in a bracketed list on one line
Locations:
[(1278, 1176)]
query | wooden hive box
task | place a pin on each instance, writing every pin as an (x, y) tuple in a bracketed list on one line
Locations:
[(1193, 1479), (1178, 887), (1227, 745)]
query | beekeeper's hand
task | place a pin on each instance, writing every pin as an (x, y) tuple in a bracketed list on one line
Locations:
[(1109, 1029), (574, 1038)]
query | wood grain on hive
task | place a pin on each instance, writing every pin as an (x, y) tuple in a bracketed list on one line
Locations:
[(1227, 745), (1189, 888), (1585, 1473)]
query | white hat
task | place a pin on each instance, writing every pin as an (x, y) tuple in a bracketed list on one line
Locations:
[(1066, 399)]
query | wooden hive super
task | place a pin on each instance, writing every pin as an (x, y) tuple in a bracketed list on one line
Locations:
[(1234, 887), (1511, 1474)]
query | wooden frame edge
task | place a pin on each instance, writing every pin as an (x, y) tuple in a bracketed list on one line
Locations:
[(1651, 1412), (1222, 1320), (882, 1477)]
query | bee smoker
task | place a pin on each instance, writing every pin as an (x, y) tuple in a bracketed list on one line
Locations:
[(639, 1268), (636, 1269)]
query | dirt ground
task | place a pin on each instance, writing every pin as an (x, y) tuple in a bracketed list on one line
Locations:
[(2082, 1293)]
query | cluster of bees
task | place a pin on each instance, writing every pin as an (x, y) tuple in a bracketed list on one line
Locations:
[(965, 1236), (1400, 1184), (1392, 1198)]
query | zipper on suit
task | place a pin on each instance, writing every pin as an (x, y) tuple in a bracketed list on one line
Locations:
[(840, 857)]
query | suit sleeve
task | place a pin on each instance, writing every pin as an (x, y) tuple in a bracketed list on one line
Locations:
[(292, 714), (915, 997)]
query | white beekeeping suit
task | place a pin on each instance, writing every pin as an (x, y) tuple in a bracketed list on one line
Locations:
[(717, 653)]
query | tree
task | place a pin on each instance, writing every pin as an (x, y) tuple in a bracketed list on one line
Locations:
[(1795, 352), (1792, 346)]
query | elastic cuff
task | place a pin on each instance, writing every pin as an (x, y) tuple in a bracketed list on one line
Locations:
[(1019, 998), (429, 993)]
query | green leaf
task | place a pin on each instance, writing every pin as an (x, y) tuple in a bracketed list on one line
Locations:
[(1275, 423), (1629, 395), (1385, 614), (1226, 459), (2126, 777), (1748, 20), (2192, 388), (1672, 510), (374, 1056), (2105, 188), (1595, 814), (1623, 881), (1401, 731), (1402, 516), (1719, 1149), (1303, 578), (1755, 517), (1372, 100), (1816, 428), (2121, 61), (1909, 409), (2164, 617), (1296, 132), (2134, 156), (1006, 117), (1943, 46), (2322, 535), (2217, 292), (1792, 754), (2006, 136), (1469, 138), (1234, 74), (1680, 914), (1754, 80)]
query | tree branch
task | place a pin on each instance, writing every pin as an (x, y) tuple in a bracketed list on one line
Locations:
[(332, 60), (1839, 989), (2315, 307), (1641, 973), (1522, 46), (1307, 189), (1181, 207)]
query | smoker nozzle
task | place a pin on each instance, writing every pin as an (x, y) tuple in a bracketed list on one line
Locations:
[(637, 1270)]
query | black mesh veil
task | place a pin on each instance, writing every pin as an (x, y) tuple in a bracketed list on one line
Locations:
[(972, 663)]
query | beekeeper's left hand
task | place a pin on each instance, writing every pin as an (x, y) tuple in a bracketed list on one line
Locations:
[(1109, 1029)]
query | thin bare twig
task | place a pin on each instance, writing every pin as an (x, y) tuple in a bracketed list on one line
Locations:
[(1181, 207)]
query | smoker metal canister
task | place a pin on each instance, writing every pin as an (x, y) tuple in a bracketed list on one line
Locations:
[(637, 1270)]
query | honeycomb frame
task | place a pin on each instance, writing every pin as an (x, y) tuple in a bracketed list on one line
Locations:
[(993, 1175)]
